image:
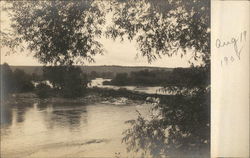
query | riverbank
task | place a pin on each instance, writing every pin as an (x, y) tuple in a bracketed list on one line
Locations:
[(93, 95), (88, 99)]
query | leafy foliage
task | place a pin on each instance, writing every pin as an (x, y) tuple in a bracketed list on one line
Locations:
[(43, 90), (179, 126), (58, 32), (167, 27), (6, 80), (186, 77), (22, 81), (164, 27), (120, 79), (55, 75), (14, 81), (70, 80), (75, 82)]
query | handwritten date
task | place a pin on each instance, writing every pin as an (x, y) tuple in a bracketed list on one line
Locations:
[(236, 43)]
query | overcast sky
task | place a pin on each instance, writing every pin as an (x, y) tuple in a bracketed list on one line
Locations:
[(116, 53)]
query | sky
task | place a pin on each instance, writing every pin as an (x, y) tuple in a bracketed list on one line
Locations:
[(116, 53)]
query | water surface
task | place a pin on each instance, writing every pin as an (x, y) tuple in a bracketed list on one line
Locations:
[(65, 130), (98, 82)]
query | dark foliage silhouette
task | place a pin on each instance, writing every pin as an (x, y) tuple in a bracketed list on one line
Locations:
[(22, 81), (58, 32), (43, 90), (14, 81), (70, 81), (167, 28), (6, 80)]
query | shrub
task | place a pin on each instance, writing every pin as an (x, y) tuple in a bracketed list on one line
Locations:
[(43, 90), (69, 80)]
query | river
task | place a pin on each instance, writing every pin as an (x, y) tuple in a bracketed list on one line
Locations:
[(65, 130), (98, 82)]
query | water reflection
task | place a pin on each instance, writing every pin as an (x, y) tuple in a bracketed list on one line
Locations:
[(13, 113), (20, 113), (64, 129), (65, 115), (6, 115)]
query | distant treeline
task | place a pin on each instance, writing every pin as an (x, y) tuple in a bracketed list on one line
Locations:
[(15, 81), (140, 78), (65, 81), (105, 71), (71, 81), (179, 76), (91, 75)]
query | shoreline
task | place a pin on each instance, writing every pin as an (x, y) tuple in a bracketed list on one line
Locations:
[(93, 95), (31, 97)]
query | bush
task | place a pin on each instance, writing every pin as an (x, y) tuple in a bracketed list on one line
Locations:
[(7, 80), (120, 79), (14, 81), (75, 83), (68, 80), (43, 90)]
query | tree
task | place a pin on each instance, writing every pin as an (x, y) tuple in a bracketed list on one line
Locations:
[(43, 90), (69, 80), (144, 77), (14, 81), (55, 74), (22, 81), (166, 27), (120, 79), (57, 32), (36, 77), (6, 80), (181, 125), (75, 82), (93, 75)]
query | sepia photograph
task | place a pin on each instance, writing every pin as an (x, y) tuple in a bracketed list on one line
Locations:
[(105, 78)]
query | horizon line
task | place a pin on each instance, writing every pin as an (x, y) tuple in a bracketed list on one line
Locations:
[(101, 65)]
